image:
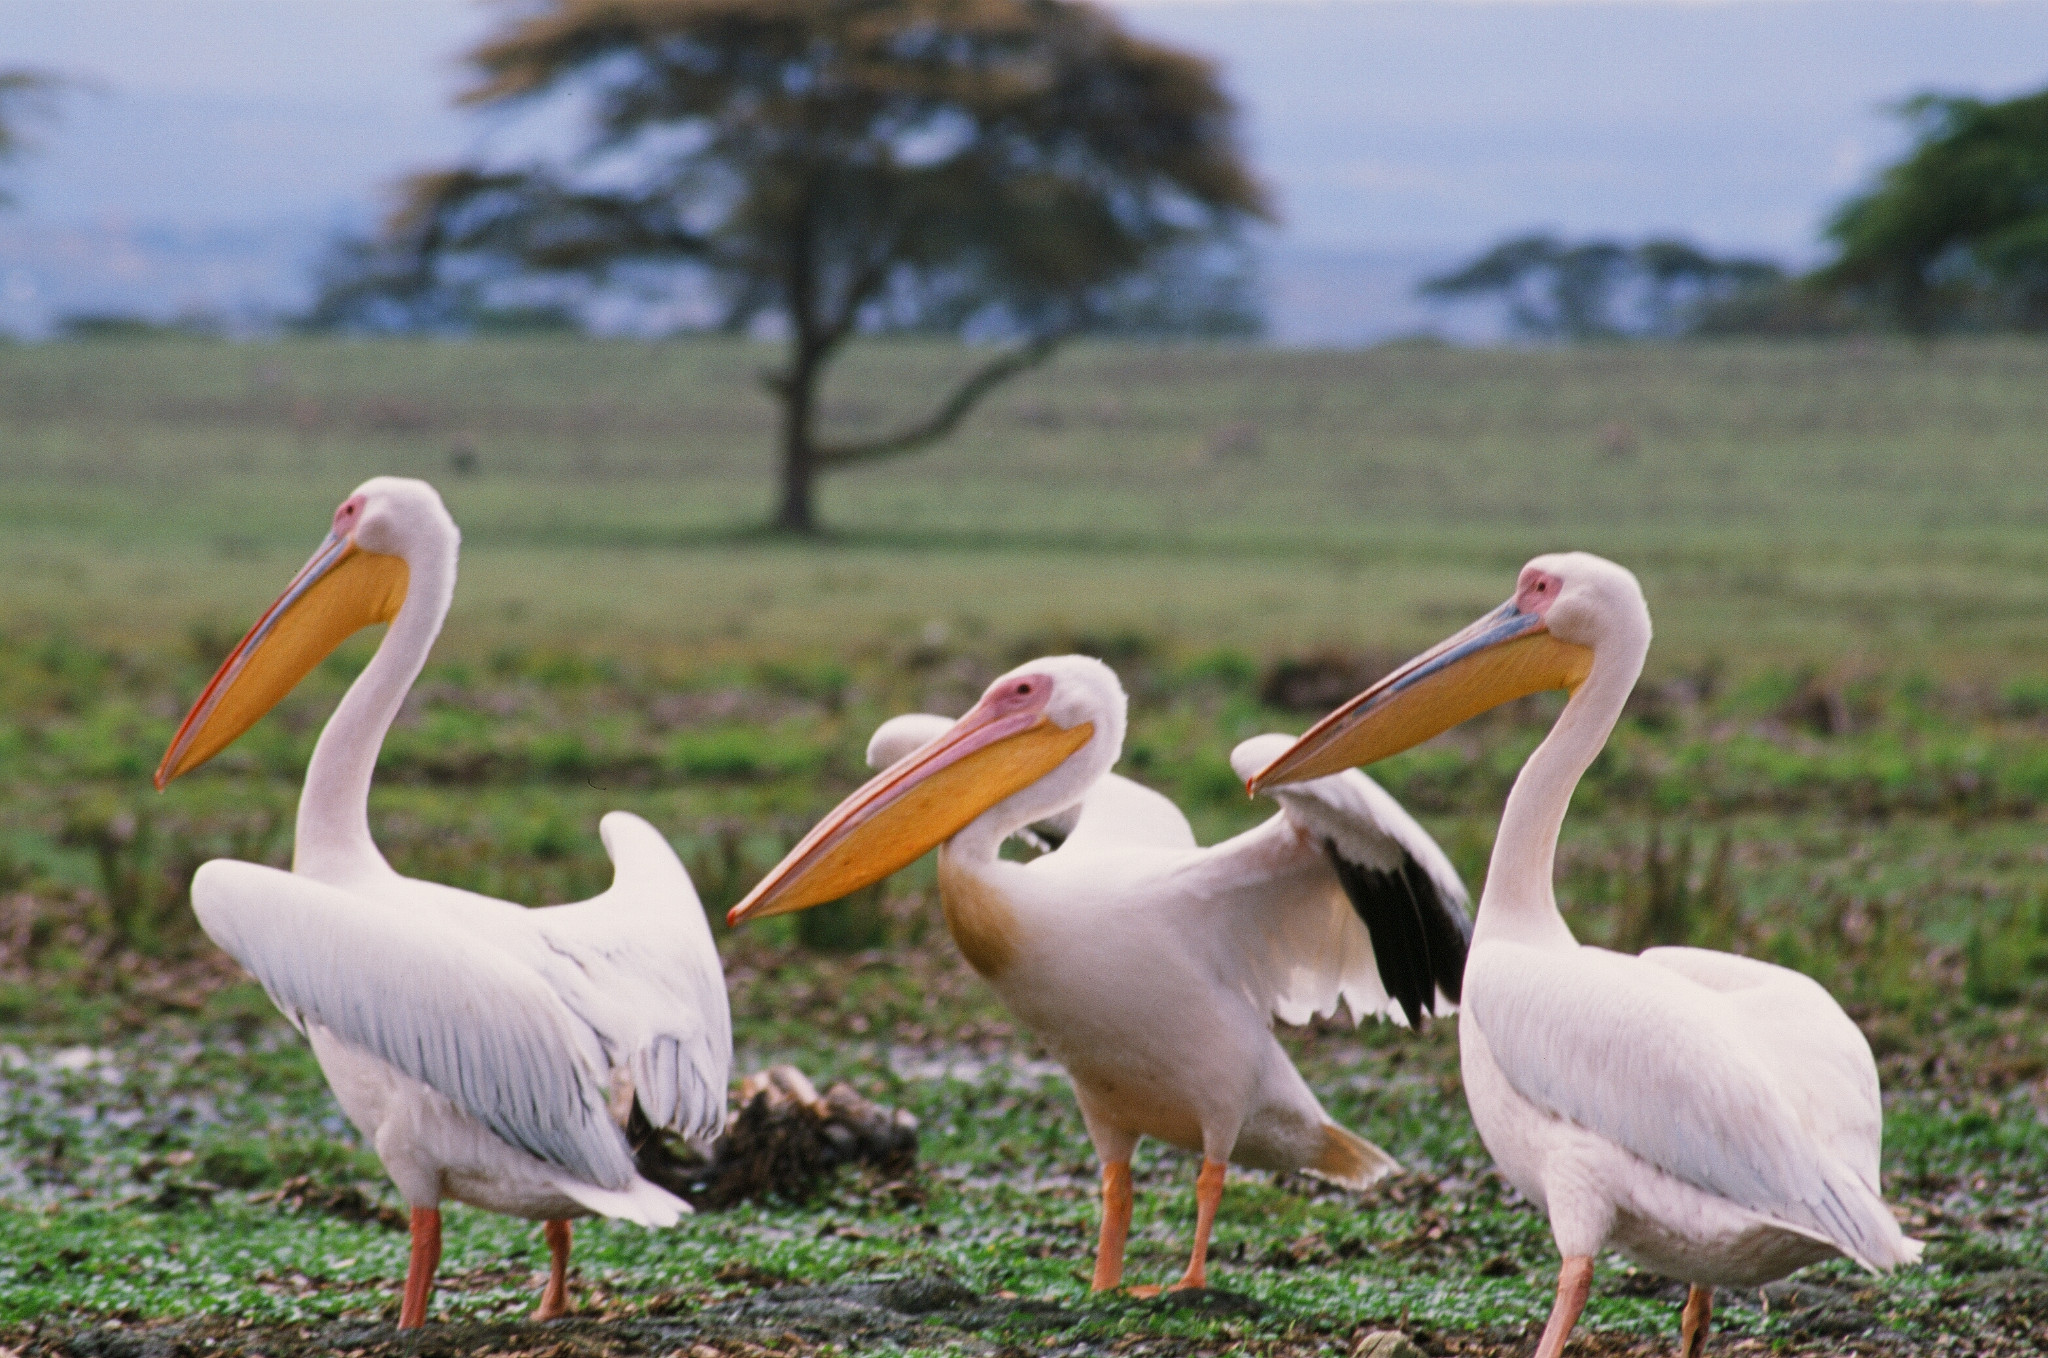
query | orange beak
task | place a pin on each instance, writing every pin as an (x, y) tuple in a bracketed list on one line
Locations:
[(914, 805), (340, 591), (1505, 655)]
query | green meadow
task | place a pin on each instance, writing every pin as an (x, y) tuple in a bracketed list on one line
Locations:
[(1881, 504), (1838, 760)]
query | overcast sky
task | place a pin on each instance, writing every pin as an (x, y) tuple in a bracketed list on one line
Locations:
[(1416, 126), (1381, 123)]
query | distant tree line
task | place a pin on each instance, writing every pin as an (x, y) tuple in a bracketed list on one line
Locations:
[(1596, 290), (1953, 238)]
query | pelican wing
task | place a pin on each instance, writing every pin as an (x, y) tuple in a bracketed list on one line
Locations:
[(1820, 1057), (1676, 1072), (1118, 812), (431, 998), (1340, 899), (637, 965)]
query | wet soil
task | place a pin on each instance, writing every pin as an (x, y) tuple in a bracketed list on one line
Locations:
[(906, 1313)]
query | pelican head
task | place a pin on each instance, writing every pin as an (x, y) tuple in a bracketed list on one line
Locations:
[(1566, 607), (359, 575), (1037, 740)]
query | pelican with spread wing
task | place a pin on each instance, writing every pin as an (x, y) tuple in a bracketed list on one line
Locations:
[(1715, 1119), (1151, 967), (518, 1060)]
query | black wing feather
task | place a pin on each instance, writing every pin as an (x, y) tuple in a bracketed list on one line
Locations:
[(1418, 937)]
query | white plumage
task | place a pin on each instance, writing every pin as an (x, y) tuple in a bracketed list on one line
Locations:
[(1151, 967), (1714, 1118), (528, 1023), (488, 1053), (1752, 1089)]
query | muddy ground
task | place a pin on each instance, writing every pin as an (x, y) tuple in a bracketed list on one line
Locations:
[(935, 1313)]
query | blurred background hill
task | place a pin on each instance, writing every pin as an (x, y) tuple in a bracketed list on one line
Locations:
[(222, 143)]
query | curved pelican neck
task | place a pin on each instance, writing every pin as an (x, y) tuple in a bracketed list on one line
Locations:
[(976, 892), (1519, 902), (981, 839), (331, 842), (1060, 789)]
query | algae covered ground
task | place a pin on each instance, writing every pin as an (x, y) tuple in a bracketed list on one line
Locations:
[(1838, 761)]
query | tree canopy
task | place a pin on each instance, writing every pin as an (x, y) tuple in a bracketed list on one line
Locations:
[(1555, 290), (1011, 171), (1955, 234)]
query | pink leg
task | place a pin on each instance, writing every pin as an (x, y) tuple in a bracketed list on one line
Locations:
[(1208, 1196), (1574, 1285), (419, 1273), (1695, 1320), (1116, 1225), (554, 1301)]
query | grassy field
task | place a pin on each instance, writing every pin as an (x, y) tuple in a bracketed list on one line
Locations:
[(1882, 502), (1838, 760)]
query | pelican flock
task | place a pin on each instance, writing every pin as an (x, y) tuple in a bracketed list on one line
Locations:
[(1713, 1118), (1152, 968), (513, 1059)]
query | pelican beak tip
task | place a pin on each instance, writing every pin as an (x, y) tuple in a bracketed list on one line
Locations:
[(751, 907), (1269, 777)]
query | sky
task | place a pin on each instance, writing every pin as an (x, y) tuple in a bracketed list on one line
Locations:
[(222, 140)]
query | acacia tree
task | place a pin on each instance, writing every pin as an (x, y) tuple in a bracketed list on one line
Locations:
[(1601, 289), (1552, 290), (1957, 232), (1011, 170)]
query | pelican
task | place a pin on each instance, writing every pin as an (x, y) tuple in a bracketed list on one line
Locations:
[(1713, 1118), (1152, 968), (514, 1059)]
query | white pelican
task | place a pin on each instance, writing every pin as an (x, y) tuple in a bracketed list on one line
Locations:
[(488, 1053), (1713, 1118), (1153, 969)]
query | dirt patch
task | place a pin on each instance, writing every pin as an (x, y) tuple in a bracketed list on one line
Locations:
[(304, 1193), (785, 1142), (2011, 1294), (910, 1312), (900, 1312)]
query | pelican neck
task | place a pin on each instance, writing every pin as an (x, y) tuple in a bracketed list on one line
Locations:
[(1519, 903), (331, 842)]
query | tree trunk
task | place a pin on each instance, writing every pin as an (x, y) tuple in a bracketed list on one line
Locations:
[(798, 392)]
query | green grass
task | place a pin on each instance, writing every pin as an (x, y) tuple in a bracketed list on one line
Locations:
[(1838, 760), (1846, 504), (1003, 1202)]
